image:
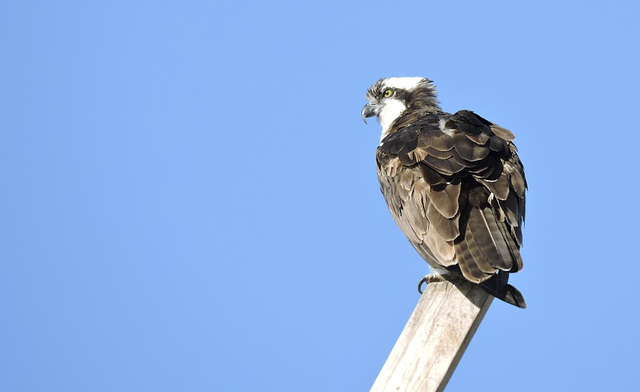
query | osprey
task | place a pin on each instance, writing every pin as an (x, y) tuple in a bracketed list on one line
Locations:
[(453, 183)]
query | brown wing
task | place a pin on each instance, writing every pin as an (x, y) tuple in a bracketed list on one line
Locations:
[(456, 187)]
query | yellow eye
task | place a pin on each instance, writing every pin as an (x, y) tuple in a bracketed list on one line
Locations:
[(387, 93)]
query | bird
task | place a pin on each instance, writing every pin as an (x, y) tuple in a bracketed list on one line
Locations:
[(453, 183)]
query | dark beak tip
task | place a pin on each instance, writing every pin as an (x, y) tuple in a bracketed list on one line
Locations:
[(368, 110)]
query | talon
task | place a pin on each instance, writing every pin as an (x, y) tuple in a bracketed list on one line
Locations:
[(430, 278), (420, 283)]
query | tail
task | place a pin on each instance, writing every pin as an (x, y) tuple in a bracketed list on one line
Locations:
[(498, 287)]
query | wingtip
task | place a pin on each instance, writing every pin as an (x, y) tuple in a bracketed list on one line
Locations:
[(514, 297), (500, 289)]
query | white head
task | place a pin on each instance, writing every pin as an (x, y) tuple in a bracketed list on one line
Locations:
[(389, 98)]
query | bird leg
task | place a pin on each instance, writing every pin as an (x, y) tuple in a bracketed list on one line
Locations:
[(433, 278)]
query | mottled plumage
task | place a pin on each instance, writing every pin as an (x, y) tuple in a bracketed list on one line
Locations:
[(454, 184)]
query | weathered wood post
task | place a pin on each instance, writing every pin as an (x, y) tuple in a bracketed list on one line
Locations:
[(434, 339)]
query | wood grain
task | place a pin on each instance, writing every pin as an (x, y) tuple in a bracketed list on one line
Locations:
[(435, 338)]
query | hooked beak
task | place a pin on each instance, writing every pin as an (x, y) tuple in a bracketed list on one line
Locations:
[(370, 110)]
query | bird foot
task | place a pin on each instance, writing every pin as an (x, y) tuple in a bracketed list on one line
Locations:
[(432, 278)]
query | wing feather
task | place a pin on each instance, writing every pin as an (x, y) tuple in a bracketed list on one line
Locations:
[(446, 198), (456, 187)]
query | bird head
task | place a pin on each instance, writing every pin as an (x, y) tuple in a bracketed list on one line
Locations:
[(389, 98)]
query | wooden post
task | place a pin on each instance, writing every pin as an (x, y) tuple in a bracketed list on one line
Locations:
[(434, 339)]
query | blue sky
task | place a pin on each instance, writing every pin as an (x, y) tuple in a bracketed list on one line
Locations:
[(190, 203)]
